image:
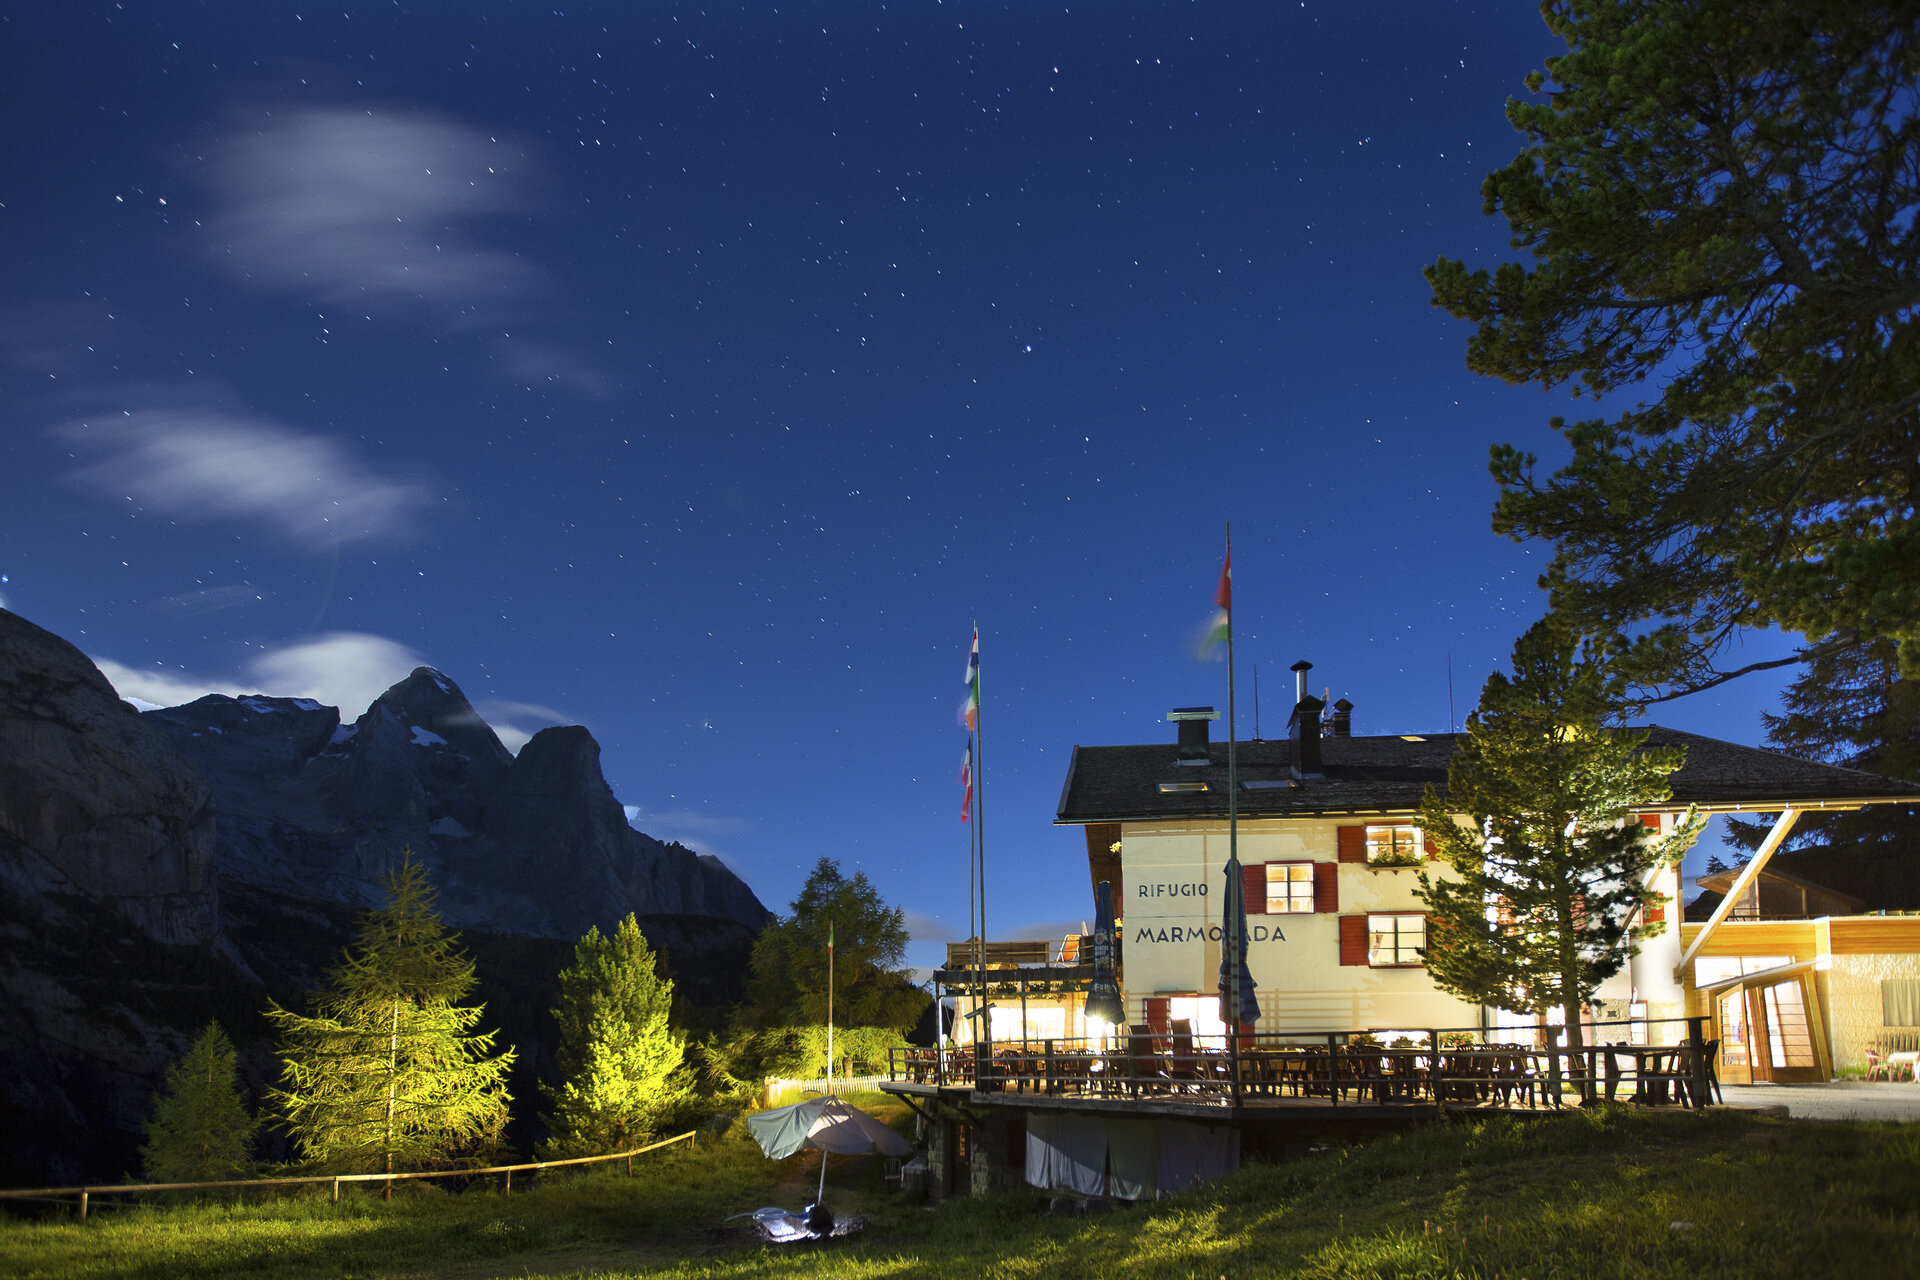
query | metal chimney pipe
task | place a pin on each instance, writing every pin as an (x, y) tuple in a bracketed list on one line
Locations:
[(1300, 670)]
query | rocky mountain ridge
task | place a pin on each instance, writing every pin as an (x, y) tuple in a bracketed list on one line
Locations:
[(534, 844), (159, 869)]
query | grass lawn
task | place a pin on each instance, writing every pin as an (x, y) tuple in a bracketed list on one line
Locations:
[(1577, 1195)]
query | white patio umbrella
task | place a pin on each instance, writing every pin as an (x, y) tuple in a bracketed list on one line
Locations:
[(826, 1124)]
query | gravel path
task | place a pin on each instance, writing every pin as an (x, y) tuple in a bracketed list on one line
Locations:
[(1842, 1100)]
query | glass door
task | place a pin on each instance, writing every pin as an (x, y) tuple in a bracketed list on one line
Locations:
[(1736, 1066)]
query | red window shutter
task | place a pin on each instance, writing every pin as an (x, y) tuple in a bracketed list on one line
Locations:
[(1159, 1014), (1326, 888), (1353, 844), (1433, 850), (1253, 886), (1650, 820), (1353, 939)]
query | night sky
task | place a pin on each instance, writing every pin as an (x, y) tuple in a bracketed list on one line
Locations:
[(701, 375)]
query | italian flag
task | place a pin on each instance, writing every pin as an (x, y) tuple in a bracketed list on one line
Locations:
[(970, 709), (1222, 625)]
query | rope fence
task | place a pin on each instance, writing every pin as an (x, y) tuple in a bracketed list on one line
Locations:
[(507, 1171)]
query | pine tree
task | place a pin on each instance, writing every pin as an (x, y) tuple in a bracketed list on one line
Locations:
[(617, 1052), (1851, 709), (1553, 851), (787, 982), (389, 1073), (200, 1130)]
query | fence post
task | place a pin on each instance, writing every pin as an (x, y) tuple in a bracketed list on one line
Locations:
[(83, 1206), (336, 1191), (509, 1187), (1553, 1064), (629, 1166)]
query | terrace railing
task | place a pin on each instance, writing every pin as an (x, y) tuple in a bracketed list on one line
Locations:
[(1432, 1068)]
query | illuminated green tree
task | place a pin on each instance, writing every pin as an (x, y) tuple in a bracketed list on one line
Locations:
[(200, 1130), (617, 1053), (1550, 871), (389, 1071)]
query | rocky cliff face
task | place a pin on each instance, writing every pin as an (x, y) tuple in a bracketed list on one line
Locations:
[(535, 844), (108, 907), (94, 800)]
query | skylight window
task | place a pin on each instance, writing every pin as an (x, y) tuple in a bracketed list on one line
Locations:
[(1195, 785)]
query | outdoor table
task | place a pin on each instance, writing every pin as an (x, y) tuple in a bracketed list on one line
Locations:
[(1910, 1060), (1653, 1067)]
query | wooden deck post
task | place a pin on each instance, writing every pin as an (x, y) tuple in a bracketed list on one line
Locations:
[(1697, 1062), (1333, 1068), (1434, 1072), (508, 1189), (1553, 1064)]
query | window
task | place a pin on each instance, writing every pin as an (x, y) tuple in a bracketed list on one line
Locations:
[(1396, 939), (1393, 846), (1900, 1002), (1289, 887)]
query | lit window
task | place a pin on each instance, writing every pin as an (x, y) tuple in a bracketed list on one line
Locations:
[(1393, 846), (1289, 887), (1396, 940)]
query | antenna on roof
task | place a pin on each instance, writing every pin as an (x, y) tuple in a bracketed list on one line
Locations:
[(1450, 720)]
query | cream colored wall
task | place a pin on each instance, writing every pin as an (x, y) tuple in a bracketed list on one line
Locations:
[(1172, 878), (1853, 1001)]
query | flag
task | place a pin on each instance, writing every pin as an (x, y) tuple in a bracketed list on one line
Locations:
[(966, 780), (1222, 624), (829, 935), (970, 709)]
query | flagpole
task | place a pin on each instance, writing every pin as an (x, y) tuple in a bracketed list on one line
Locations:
[(1233, 834), (823, 1158), (980, 842)]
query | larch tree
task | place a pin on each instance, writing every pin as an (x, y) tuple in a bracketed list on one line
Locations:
[(1549, 890), (389, 1072), (200, 1130), (1717, 207), (617, 1052)]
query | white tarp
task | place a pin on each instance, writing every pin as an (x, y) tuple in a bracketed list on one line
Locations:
[(825, 1124)]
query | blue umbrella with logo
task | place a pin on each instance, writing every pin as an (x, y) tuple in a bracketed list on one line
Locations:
[(1103, 993)]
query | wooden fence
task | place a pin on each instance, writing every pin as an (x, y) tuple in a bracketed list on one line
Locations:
[(505, 1170)]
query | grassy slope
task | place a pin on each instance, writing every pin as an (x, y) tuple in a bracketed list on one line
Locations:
[(1577, 1196)]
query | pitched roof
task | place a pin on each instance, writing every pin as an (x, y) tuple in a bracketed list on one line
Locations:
[(1388, 774)]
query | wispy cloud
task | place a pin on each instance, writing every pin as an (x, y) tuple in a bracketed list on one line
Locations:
[(517, 722), (344, 669), (209, 464), (371, 206)]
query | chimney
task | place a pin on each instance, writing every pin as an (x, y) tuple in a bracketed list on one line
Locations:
[(1304, 727), (1193, 732), (1342, 726)]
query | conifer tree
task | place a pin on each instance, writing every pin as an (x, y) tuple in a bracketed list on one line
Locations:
[(389, 1071), (1851, 709), (617, 1052), (200, 1130), (1550, 872)]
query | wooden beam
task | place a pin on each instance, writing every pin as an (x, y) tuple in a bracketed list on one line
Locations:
[(1748, 875)]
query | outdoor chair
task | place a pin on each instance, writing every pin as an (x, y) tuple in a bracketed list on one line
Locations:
[(1711, 1053), (1144, 1067), (1184, 1065), (1877, 1067)]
